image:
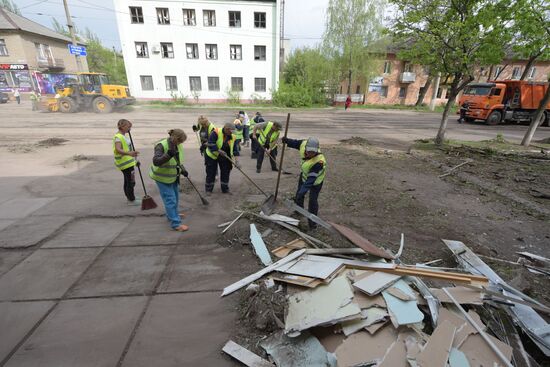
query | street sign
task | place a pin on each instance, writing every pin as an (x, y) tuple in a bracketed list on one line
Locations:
[(77, 50)]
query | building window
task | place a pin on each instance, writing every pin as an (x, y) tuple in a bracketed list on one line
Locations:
[(141, 50), (171, 82), (213, 83), (235, 19), (531, 75), (259, 85), (146, 82), (43, 52), (163, 16), (211, 51), (235, 52), (167, 50), (195, 83), (441, 93), (403, 92), (407, 68), (192, 50), (382, 90), (136, 14), (236, 84), (358, 89), (516, 72), (259, 20), (3, 48), (259, 52), (498, 70), (209, 18), (387, 67), (189, 17)]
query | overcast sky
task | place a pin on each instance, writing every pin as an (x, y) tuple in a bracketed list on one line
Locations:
[(304, 19)]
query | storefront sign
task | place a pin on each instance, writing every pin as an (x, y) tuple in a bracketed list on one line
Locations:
[(14, 67)]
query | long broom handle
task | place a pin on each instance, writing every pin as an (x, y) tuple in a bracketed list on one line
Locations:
[(245, 175), (139, 169), (281, 161)]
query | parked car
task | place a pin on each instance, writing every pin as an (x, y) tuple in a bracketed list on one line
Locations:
[(3, 97)]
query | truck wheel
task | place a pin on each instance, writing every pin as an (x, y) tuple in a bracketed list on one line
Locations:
[(102, 105), (67, 105), (494, 118)]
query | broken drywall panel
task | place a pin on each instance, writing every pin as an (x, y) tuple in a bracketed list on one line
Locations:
[(376, 282), (530, 321), (335, 251), (365, 301), (259, 246), (323, 305), (304, 350), (252, 277), (245, 356), (428, 297), (479, 353), (457, 359), (396, 355), (372, 329), (360, 241), (462, 294), (286, 249), (284, 219), (396, 292), (437, 349), (369, 317), (297, 279), (329, 337), (312, 267), (361, 347), (403, 312)]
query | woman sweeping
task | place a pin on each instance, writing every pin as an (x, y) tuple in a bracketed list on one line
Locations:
[(166, 170), (125, 159)]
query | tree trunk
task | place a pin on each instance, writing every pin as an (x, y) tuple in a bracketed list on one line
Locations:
[(537, 120), (440, 138), (490, 72), (349, 82), (423, 91), (500, 72), (530, 63)]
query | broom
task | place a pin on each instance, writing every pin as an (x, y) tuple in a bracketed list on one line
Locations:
[(147, 202)]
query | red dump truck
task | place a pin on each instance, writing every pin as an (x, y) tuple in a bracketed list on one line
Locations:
[(503, 101)]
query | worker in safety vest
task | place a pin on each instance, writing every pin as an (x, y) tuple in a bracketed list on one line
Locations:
[(204, 127), (166, 170), (239, 134), (221, 143), (267, 135), (258, 119), (314, 168), (125, 159)]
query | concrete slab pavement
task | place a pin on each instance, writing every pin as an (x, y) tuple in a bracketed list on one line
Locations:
[(31, 230), (88, 332), (10, 258), (17, 208), (5, 223), (148, 231)]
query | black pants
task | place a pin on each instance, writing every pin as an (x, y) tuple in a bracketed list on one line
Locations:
[(313, 205), (254, 148), (129, 183), (211, 171), (260, 158)]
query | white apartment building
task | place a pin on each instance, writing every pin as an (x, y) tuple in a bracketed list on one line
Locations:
[(200, 49)]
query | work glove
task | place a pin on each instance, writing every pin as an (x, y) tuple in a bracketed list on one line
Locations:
[(195, 128), (223, 154), (284, 140), (138, 163), (184, 172), (237, 164)]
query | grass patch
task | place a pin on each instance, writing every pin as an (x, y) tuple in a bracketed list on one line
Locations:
[(493, 146), (421, 108)]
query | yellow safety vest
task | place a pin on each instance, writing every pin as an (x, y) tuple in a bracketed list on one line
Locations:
[(265, 132), (122, 162), (219, 144), (238, 133), (168, 172), (308, 164)]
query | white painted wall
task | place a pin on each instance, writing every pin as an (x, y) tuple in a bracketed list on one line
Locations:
[(179, 35)]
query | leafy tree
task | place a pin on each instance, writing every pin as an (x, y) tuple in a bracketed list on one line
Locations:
[(452, 37), (352, 37), (9, 5)]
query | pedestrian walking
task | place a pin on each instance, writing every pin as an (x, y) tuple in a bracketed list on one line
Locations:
[(126, 159), (34, 100), (258, 119), (314, 167), (17, 95), (246, 128), (348, 102), (166, 170), (220, 140), (267, 135), (239, 134)]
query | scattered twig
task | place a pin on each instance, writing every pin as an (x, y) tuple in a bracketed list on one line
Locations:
[(233, 222), (467, 161)]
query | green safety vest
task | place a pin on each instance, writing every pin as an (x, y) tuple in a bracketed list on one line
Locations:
[(308, 164), (168, 172), (122, 162), (238, 133), (265, 132), (219, 144)]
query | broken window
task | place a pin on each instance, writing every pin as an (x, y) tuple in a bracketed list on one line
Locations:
[(189, 17), (146, 82), (213, 83), (171, 82), (235, 52), (259, 84), (259, 20), (209, 18), (141, 50), (136, 14), (235, 19), (195, 83), (211, 51), (237, 84), (192, 50), (163, 16), (167, 50), (259, 52)]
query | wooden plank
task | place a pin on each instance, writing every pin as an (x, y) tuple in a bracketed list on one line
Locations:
[(286, 249), (252, 277), (312, 268), (232, 222), (360, 241), (335, 251), (245, 356), (462, 294), (259, 246), (438, 347)]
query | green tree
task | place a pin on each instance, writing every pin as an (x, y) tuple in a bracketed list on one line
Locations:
[(352, 37), (452, 37), (10, 6)]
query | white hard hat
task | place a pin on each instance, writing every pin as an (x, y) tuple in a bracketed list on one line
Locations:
[(312, 145)]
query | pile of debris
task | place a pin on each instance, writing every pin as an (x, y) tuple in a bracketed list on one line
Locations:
[(362, 306)]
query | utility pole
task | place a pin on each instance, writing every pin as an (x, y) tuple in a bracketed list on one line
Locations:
[(434, 93), (73, 37)]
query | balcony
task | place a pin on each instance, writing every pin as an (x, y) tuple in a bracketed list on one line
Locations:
[(407, 77), (51, 64)]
